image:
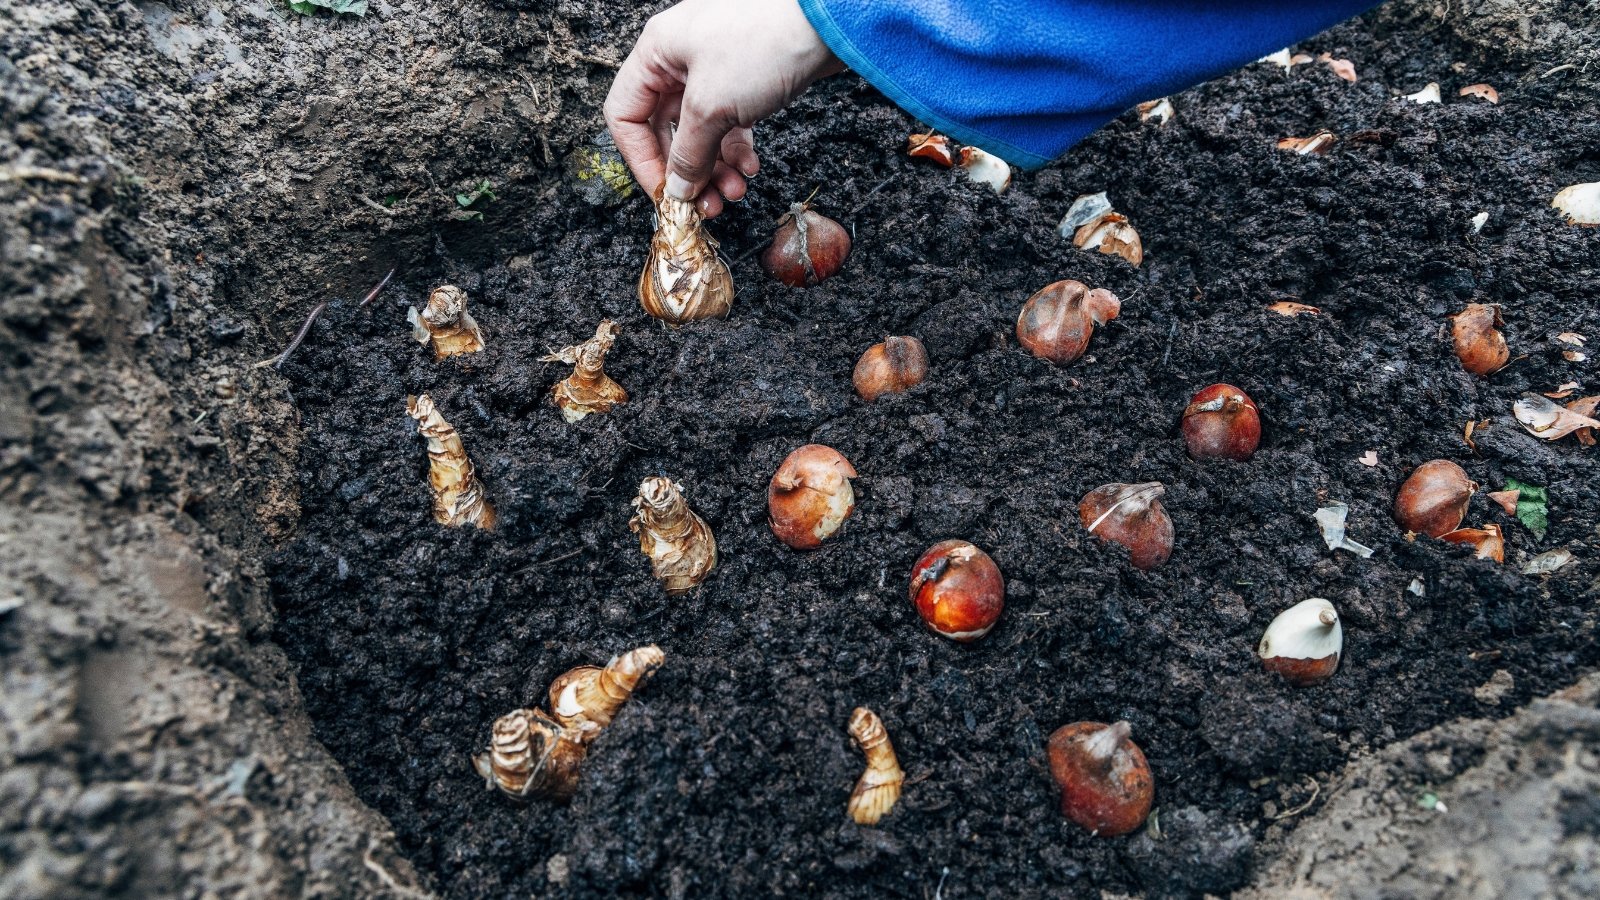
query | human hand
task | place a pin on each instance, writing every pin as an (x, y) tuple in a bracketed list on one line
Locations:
[(713, 68)]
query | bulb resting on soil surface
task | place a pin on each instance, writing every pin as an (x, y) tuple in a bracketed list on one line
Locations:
[(1546, 419), (897, 364), (1433, 499), (810, 496), (1580, 203), (807, 249), (1303, 643), (1130, 515), (1058, 320), (1105, 782), (1221, 421), (458, 496), (684, 279), (878, 788), (986, 168), (680, 545), (957, 590), (444, 322), (534, 754), (588, 389), (1479, 344)]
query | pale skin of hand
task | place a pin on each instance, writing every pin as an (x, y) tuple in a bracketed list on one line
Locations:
[(713, 68)]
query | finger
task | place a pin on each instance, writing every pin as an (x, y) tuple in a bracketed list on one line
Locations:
[(628, 110), (710, 203), (728, 182), (701, 126), (665, 121), (739, 151)]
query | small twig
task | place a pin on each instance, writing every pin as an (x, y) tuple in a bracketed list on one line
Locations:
[(38, 173), (753, 250), (1316, 791), (868, 196), (373, 294), (1561, 68), (300, 337), (1170, 333), (374, 205)]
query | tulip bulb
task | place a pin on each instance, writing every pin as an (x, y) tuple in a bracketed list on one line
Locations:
[(878, 789), (1221, 421), (1057, 321), (1433, 500), (986, 168), (1106, 785), (898, 364), (1303, 643), (1479, 344), (458, 496), (1130, 515), (444, 322), (684, 279), (957, 590), (680, 544), (807, 249), (588, 389), (810, 496)]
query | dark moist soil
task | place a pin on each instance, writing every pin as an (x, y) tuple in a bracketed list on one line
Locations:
[(728, 774)]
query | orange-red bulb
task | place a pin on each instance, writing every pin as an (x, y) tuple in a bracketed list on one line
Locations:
[(1131, 515), (1105, 782), (807, 249), (898, 364), (958, 591), (1221, 421)]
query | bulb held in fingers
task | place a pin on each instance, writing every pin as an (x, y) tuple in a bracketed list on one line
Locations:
[(898, 364), (1130, 515), (1221, 421), (1433, 500), (1303, 643), (957, 590), (810, 496), (1106, 785), (1058, 320), (683, 280)]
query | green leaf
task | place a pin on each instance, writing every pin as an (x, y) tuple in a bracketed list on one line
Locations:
[(465, 200), (303, 7), (1532, 506), (347, 7)]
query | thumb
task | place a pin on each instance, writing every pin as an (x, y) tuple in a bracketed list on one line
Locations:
[(701, 127)]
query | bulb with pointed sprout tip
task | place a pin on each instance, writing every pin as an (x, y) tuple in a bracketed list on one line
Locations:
[(584, 700), (1106, 785), (684, 279), (588, 389), (958, 591), (878, 789), (898, 364), (680, 544), (445, 323), (1130, 515), (1433, 500), (1303, 643), (1057, 321), (807, 249), (1221, 421), (1479, 344), (458, 496), (810, 496), (531, 755)]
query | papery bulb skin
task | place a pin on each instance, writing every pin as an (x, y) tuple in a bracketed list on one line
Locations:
[(1433, 500), (529, 756), (1106, 785), (810, 496), (878, 788), (957, 590), (1487, 542), (684, 279), (931, 146), (680, 545), (807, 249), (1130, 515), (585, 699), (1058, 320), (1304, 643), (896, 365), (1221, 422), (1479, 344)]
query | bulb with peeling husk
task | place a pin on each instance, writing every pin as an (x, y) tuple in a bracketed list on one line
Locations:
[(458, 496), (1130, 515), (1479, 344), (1057, 321), (1433, 499), (1303, 643), (588, 389), (531, 755), (931, 146), (445, 323), (1488, 541), (810, 496), (1159, 111), (680, 545), (878, 788), (684, 279), (584, 700), (1580, 203), (1548, 420), (1105, 782), (1112, 235)]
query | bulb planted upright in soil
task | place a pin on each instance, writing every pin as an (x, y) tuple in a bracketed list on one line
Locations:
[(1130, 515), (588, 389), (680, 545), (458, 496)]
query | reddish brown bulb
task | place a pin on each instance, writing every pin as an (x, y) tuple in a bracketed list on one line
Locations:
[(808, 248), (1221, 421), (958, 591), (1433, 501), (1479, 344), (1131, 515), (1056, 322), (810, 496), (1105, 782), (898, 364)]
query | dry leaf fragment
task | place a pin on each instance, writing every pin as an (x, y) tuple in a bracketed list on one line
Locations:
[(1586, 406), (684, 279), (1580, 203), (1317, 144), (680, 544), (1159, 111), (1112, 235), (1571, 337), (445, 323), (878, 789), (1507, 500), (1429, 94), (1488, 541), (931, 146), (1291, 309), (1562, 391), (1574, 355), (1483, 91), (588, 389), (1369, 458), (1331, 519), (458, 496), (1548, 562), (1471, 429), (1544, 419), (1343, 68)]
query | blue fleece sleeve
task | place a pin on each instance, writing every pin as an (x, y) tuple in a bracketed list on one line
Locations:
[(1026, 79)]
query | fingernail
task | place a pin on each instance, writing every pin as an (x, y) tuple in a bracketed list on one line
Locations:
[(679, 187)]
